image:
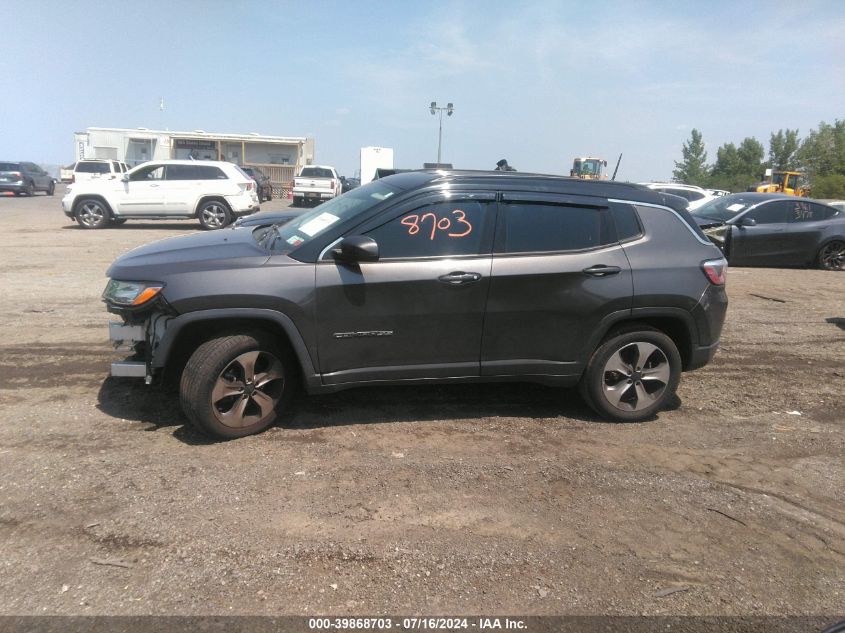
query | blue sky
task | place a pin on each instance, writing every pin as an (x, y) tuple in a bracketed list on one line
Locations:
[(534, 82)]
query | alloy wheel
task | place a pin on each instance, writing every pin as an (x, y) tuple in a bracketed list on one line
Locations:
[(91, 214), (636, 376), (248, 389), (832, 256), (214, 215)]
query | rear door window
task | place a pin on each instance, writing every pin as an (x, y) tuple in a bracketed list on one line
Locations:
[(803, 211), (536, 227)]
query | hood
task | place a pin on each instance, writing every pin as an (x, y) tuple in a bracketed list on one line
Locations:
[(266, 218), (222, 249)]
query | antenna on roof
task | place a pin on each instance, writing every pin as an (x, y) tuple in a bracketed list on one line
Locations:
[(617, 166)]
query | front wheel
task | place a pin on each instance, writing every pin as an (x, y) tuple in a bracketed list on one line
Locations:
[(832, 256), (632, 375), (234, 386), (214, 214), (92, 214)]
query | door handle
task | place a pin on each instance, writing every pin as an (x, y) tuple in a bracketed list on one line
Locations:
[(153, 185), (459, 277), (600, 270)]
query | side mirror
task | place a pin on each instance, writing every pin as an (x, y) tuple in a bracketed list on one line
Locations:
[(356, 248), (125, 178), (747, 222)]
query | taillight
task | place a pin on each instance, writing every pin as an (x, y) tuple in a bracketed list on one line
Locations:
[(716, 270), (17, 175)]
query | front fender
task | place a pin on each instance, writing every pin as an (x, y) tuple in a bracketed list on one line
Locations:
[(162, 349)]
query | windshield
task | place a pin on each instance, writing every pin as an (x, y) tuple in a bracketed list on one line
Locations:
[(725, 207), (588, 167), (336, 211)]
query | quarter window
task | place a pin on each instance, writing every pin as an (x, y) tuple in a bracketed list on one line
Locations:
[(626, 220), (443, 229), (531, 228)]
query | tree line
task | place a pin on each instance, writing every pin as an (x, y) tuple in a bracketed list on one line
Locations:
[(820, 155)]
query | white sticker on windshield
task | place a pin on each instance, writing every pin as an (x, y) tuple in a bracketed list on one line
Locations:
[(322, 221), (736, 207)]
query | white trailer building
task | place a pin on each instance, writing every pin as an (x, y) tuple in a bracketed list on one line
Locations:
[(280, 157)]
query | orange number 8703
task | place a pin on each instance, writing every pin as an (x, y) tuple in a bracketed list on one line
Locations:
[(414, 222)]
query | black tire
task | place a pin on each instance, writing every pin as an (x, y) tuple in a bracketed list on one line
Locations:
[(30, 189), (297, 201), (214, 214), (831, 256), (208, 389), (92, 214), (644, 386), (51, 188), (118, 221)]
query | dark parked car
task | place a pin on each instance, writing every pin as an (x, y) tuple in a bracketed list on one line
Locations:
[(770, 229), (348, 184), (25, 178), (422, 276), (262, 183)]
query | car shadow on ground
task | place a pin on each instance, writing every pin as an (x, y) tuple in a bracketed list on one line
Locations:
[(132, 401), (185, 225)]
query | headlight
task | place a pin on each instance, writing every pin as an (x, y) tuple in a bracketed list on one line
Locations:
[(131, 293)]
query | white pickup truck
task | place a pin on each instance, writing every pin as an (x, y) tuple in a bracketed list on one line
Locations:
[(314, 184)]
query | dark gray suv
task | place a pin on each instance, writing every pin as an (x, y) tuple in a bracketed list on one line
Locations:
[(451, 276)]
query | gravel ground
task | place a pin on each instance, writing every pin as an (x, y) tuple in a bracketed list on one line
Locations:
[(449, 499)]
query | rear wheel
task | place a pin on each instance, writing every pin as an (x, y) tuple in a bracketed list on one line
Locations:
[(92, 214), (632, 375), (51, 188), (832, 256), (214, 214), (234, 386), (30, 189)]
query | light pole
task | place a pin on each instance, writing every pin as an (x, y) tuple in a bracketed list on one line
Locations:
[(434, 110)]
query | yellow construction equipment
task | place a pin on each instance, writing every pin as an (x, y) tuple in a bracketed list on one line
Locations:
[(788, 182), (589, 168)]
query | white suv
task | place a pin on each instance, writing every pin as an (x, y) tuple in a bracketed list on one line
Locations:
[(94, 168), (213, 192), (696, 195)]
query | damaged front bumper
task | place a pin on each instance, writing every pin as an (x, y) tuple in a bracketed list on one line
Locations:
[(141, 338)]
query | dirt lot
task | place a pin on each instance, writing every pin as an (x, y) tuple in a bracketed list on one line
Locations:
[(450, 500)]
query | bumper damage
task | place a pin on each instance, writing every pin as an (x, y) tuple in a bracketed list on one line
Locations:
[(140, 339)]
